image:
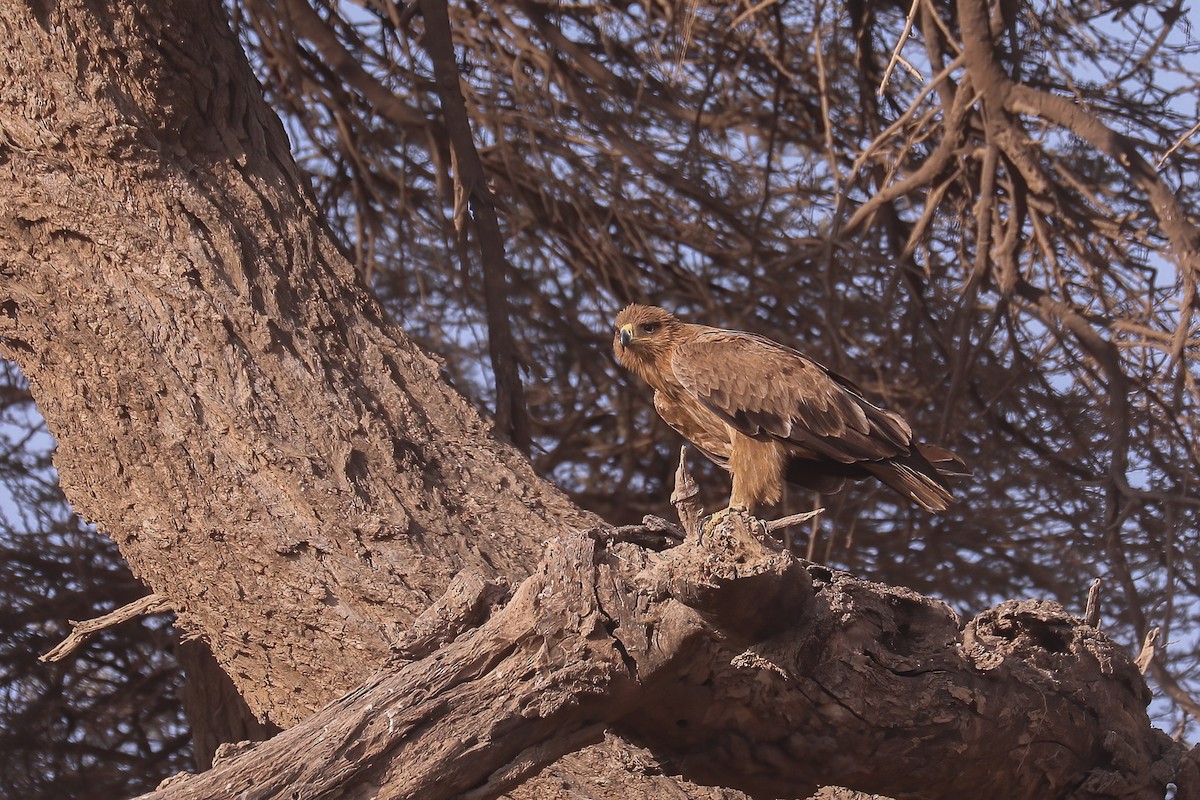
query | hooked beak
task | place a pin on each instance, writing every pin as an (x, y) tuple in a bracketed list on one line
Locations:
[(626, 335)]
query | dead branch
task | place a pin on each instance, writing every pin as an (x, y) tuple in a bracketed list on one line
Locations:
[(952, 136), (512, 418), (1003, 94), (683, 496), (746, 668), (792, 519), (896, 51), (1146, 655), (1091, 614), (82, 631), (1178, 143)]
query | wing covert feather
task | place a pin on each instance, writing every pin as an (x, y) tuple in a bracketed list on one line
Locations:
[(766, 390), (698, 425)]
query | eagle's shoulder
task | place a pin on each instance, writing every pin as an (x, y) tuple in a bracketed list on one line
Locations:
[(696, 423), (751, 371)]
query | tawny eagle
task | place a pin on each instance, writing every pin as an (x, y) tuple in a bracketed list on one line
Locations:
[(769, 414)]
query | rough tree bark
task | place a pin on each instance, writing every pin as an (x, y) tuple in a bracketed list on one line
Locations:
[(292, 475), (229, 403), (842, 682)]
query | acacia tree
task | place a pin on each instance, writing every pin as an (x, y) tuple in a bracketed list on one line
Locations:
[(894, 187), (292, 475)]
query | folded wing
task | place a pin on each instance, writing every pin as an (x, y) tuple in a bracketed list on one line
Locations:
[(766, 390)]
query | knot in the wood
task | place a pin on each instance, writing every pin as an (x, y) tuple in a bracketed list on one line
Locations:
[(1052, 643), (740, 580)]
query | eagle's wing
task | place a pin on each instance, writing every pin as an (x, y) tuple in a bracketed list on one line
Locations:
[(696, 424), (766, 390)]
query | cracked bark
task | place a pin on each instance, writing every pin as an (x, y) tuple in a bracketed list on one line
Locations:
[(835, 681)]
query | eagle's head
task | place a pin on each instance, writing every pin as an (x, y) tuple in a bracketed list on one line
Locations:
[(644, 339)]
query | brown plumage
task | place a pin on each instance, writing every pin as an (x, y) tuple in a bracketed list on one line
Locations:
[(770, 415)]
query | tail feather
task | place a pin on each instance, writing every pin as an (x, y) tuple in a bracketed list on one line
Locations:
[(918, 475), (944, 461), (915, 477)]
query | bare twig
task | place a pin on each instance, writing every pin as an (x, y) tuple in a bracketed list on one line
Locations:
[(896, 57), (1178, 143), (823, 87), (82, 631), (750, 12)]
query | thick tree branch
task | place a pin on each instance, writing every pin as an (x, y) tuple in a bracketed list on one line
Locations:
[(534, 682), (746, 668)]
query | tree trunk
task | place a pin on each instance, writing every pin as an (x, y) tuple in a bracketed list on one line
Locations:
[(229, 404), (293, 475), (216, 712)]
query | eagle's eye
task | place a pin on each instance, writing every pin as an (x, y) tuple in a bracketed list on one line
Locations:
[(651, 327)]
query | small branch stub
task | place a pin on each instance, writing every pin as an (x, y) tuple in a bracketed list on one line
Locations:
[(1091, 614), (684, 496), (1149, 647), (792, 519)]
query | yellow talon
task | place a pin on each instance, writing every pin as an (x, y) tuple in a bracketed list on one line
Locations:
[(721, 516)]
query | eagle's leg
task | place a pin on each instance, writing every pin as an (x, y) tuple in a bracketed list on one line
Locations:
[(757, 469)]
